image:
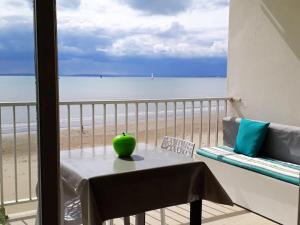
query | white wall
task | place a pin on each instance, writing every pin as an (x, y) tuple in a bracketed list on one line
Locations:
[(264, 59)]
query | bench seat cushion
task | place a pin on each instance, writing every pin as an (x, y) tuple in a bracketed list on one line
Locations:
[(276, 169)]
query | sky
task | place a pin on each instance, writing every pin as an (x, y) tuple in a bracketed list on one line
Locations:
[(122, 37)]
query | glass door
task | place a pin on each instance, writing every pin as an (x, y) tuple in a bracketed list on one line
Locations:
[(28, 105), (18, 124)]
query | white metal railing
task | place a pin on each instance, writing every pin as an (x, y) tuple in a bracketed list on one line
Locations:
[(94, 123)]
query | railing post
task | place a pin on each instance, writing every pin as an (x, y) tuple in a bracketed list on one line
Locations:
[(226, 107), (81, 127), (29, 151), (1, 159), (217, 125), (175, 118), (137, 121), (93, 124), (193, 115), (201, 124), (15, 154), (156, 122), (126, 117), (183, 129), (116, 119), (69, 127), (147, 115), (166, 118), (209, 120), (104, 124)]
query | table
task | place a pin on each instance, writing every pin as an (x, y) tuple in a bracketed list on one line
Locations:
[(109, 187)]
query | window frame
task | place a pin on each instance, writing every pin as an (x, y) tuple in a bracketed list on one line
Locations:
[(46, 68)]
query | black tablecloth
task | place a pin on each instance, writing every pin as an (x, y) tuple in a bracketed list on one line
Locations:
[(110, 187)]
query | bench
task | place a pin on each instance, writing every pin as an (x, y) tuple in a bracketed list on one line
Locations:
[(268, 184)]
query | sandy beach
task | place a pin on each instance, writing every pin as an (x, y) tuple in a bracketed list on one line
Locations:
[(24, 165)]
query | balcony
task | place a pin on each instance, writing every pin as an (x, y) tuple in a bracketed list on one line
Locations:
[(94, 123)]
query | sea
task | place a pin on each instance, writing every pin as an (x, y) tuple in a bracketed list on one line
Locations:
[(22, 89)]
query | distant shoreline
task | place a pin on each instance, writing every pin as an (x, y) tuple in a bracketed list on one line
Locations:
[(118, 76)]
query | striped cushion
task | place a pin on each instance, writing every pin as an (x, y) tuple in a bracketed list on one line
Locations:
[(284, 171)]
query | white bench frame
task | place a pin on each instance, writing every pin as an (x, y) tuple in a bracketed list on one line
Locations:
[(269, 197)]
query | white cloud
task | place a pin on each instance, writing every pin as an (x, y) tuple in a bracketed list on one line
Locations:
[(15, 12), (197, 31), (164, 7), (197, 28), (69, 4), (70, 49), (153, 46)]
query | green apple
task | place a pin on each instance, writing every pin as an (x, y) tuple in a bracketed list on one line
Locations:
[(124, 144)]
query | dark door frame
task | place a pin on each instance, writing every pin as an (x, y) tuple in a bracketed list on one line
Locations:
[(48, 111)]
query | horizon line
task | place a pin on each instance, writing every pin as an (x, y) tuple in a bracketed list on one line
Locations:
[(111, 75)]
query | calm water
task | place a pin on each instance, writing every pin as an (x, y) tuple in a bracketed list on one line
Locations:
[(18, 89), (90, 88)]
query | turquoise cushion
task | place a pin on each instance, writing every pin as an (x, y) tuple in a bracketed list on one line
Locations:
[(250, 137)]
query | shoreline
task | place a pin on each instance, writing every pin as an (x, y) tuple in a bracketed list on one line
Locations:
[(75, 132), (24, 159), (7, 128)]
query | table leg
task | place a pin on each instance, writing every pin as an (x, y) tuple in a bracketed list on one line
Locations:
[(126, 220), (140, 219), (196, 212)]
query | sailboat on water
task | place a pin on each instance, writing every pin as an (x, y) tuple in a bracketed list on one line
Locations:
[(152, 76)]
